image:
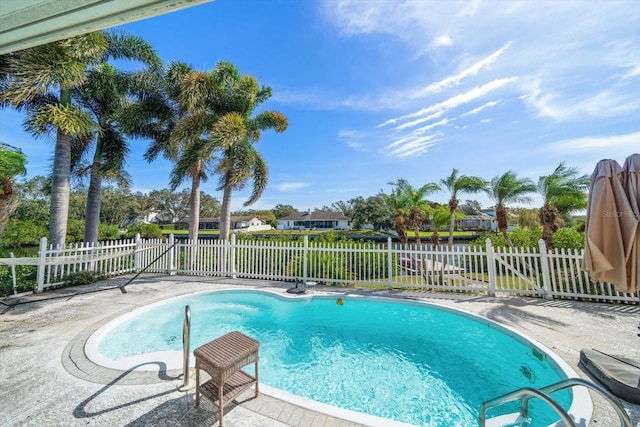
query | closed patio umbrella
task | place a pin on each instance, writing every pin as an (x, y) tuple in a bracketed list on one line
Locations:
[(610, 229), (631, 184)]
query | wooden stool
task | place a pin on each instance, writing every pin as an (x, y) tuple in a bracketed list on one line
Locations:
[(223, 359)]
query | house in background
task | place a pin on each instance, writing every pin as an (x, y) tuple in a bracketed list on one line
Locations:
[(315, 221), (238, 223), (477, 222)]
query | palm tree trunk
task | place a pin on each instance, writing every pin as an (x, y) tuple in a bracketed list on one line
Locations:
[(194, 213), (453, 205), (503, 224), (59, 210), (417, 233), (225, 214), (194, 202), (548, 217), (92, 212)]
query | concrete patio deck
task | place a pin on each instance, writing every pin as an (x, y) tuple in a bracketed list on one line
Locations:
[(47, 381)]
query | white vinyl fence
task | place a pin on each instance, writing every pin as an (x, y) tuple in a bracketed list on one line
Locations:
[(467, 269)]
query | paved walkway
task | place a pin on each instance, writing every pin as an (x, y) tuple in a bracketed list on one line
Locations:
[(46, 380)]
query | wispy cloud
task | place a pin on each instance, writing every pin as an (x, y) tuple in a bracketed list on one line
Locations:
[(480, 108), (627, 141), (291, 186), (455, 101), (456, 79), (412, 145), (559, 107)]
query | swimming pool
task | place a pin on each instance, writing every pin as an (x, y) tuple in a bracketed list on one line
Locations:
[(403, 360)]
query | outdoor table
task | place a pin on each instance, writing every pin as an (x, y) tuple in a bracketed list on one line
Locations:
[(223, 359)]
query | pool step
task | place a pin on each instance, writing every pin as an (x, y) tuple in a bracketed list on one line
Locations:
[(508, 420)]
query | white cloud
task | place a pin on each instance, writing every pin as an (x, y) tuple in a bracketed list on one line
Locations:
[(473, 70), (443, 40), (455, 101), (480, 108), (412, 145), (291, 186), (560, 107), (630, 142)]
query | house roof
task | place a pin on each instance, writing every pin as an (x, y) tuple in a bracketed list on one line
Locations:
[(316, 216), (477, 217), (234, 218)]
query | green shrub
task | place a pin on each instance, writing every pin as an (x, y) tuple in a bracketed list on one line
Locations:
[(24, 232), (81, 278), (108, 232), (148, 231), (75, 230), (568, 238), (520, 237)]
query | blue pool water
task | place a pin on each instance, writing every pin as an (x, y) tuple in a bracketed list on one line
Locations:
[(407, 361)]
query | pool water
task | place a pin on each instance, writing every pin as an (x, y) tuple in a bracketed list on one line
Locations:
[(407, 361)]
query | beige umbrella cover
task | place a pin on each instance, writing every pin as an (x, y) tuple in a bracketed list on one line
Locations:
[(609, 232), (631, 184)]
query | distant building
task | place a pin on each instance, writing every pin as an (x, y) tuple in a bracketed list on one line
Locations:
[(477, 222), (238, 223), (315, 220)]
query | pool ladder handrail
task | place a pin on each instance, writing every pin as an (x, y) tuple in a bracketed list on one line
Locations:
[(526, 393), (186, 329)]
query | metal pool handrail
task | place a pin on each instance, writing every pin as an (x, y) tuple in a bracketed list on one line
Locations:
[(526, 393), (625, 421), (186, 329)]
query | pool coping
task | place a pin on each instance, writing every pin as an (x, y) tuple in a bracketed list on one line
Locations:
[(78, 364)]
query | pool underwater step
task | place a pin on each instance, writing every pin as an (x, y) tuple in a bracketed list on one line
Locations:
[(513, 420)]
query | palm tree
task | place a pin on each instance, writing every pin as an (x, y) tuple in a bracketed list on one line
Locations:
[(215, 130), (439, 217), (396, 201), (456, 185), (12, 164), (416, 207), (508, 188), (105, 96), (39, 81), (563, 192)]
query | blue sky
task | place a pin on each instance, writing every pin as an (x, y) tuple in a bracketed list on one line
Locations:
[(380, 90)]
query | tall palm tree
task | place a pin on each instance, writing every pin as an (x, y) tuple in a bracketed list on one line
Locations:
[(508, 188), (417, 207), (105, 95), (39, 81), (12, 165), (456, 185), (563, 192), (215, 131)]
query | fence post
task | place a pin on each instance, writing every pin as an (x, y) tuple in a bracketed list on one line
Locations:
[(232, 257), (172, 253), (13, 275), (42, 259), (491, 269), (389, 262), (305, 249), (137, 254), (546, 275)]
